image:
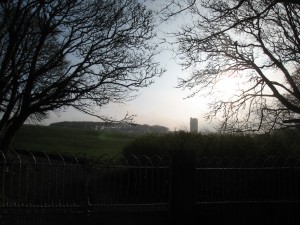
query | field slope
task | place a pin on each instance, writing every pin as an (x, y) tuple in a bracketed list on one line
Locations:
[(50, 139)]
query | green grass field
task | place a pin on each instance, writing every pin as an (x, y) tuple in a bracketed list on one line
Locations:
[(66, 140), (93, 143)]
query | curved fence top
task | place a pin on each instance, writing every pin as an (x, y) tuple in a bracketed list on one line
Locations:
[(119, 160), (28, 157), (66, 159), (249, 161)]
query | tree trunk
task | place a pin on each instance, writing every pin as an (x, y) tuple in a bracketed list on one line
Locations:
[(9, 133)]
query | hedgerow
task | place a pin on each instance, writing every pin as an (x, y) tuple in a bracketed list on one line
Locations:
[(212, 144)]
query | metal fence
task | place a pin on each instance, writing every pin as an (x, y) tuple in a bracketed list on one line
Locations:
[(44, 188), (253, 190), (50, 188)]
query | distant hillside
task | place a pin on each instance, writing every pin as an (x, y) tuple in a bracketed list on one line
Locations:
[(113, 127)]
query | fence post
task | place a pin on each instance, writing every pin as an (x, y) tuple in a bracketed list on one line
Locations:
[(182, 188), (86, 198)]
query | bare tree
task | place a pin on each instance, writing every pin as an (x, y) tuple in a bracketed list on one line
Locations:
[(255, 40), (71, 53)]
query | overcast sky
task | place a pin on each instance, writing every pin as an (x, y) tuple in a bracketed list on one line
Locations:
[(158, 104)]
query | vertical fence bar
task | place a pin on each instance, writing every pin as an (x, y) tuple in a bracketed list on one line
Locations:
[(3, 191), (182, 188)]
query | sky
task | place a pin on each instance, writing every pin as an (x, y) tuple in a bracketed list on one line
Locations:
[(159, 104)]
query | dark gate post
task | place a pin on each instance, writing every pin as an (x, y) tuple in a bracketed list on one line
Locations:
[(182, 188)]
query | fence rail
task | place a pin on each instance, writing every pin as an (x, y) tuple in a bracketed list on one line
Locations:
[(43, 183), (257, 190), (271, 179), (51, 188)]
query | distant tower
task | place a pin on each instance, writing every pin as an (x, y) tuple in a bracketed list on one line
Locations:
[(193, 125)]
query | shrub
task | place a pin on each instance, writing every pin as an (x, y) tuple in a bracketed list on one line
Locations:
[(212, 144)]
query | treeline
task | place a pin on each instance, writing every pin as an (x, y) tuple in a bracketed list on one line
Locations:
[(211, 144), (113, 127)]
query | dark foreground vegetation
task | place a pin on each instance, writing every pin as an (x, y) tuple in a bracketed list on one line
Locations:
[(284, 142), (97, 143)]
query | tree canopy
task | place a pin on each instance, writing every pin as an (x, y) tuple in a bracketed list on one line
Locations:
[(256, 41), (72, 53)]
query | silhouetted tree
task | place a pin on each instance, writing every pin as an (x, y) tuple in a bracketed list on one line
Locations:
[(71, 53), (255, 40)]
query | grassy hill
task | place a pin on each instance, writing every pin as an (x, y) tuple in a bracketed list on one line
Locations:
[(92, 143)]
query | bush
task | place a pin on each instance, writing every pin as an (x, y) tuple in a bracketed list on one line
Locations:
[(211, 144)]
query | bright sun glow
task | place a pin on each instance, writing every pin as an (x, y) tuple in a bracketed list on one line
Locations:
[(227, 87)]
